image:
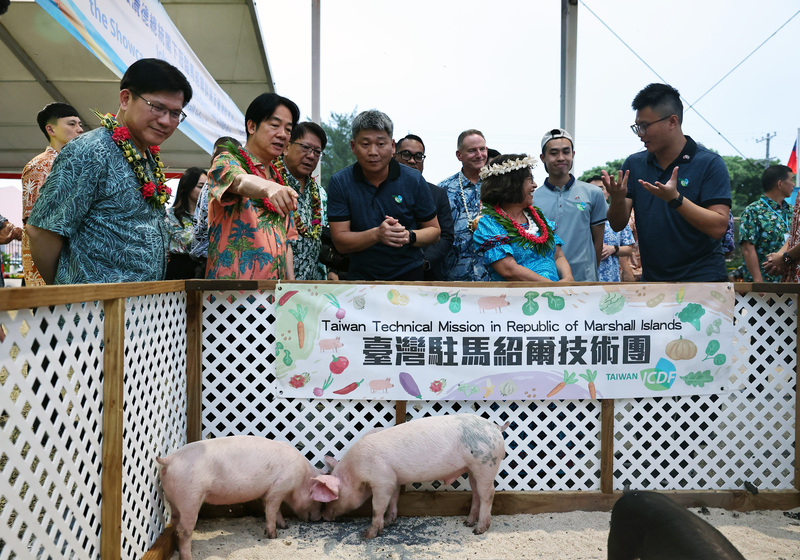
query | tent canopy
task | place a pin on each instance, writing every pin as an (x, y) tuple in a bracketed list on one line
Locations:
[(40, 62)]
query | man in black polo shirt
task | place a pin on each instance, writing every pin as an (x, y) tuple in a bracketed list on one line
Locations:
[(680, 193), (380, 212)]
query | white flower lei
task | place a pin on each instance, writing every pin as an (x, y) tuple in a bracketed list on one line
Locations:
[(508, 166)]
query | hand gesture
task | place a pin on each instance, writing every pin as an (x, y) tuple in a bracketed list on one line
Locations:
[(664, 192), (618, 186), (774, 264), (392, 233), (283, 198)]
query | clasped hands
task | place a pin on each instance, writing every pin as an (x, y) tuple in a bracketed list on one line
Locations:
[(392, 233)]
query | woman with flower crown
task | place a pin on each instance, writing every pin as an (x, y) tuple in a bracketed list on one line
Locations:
[(517, 241), (250, 223)]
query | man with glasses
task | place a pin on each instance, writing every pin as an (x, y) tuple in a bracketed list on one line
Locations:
[(680, 193), (100, 214), (300, 159), (410, 151), (577, 208)]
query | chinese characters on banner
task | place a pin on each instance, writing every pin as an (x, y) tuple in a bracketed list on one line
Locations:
[(120, 32), (400, 342)]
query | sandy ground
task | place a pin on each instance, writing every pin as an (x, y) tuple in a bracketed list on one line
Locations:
[(762, 535)]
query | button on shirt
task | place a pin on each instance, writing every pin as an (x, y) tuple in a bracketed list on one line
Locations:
[(463, 263), (765, 224), (575, 208), (92, 199)]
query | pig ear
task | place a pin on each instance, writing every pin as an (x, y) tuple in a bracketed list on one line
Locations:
[(325, 488), (331, 462)]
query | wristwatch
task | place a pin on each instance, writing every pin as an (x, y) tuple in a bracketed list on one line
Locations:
[(675, 202), (616, 249), (787, 259), (412, 237)]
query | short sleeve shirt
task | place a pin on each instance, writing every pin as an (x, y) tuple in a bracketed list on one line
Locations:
[(765, 224), (92, 199), (793, 273), (673, 250), (244, 240), (463, 263), (404, 195), (33, 176), (575, 208), (608, 270)]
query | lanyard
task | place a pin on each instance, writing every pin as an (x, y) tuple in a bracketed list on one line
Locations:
[(766, 201)]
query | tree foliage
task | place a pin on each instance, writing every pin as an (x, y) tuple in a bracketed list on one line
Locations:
[(611, 166), (337, 153), (745, 177)]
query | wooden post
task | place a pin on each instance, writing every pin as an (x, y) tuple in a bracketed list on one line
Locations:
[(113, 396), (607, 446), (194, 365), (400, 412)]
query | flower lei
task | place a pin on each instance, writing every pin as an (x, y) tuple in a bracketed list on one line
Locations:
[(246, 161), (542, 243), (156, 193), (316, 205)]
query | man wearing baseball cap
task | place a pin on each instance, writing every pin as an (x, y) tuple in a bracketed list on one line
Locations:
[(577, 208)]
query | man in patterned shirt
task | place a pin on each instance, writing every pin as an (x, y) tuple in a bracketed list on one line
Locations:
[(59, 123), (463, 262), (300, 159), (95, 220), (764, 224)]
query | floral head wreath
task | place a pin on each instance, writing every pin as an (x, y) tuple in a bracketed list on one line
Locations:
[(508, 166)]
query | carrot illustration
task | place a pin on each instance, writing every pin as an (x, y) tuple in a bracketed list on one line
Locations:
[(348, 388), (300, 315), (569, 379), (590, 376)]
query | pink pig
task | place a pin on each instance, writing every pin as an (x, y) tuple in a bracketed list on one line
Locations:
[(236, 469), (330, 344), (433, 448), (492, 302), (380, 385)]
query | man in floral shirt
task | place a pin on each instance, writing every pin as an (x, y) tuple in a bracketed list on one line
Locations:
[(100, 214), (764, 224), (59, 123), (249, 209)]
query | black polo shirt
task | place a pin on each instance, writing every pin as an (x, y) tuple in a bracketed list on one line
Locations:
[(404, 195)]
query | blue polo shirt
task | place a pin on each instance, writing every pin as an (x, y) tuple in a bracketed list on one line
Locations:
[(673, 250), (404, 195)]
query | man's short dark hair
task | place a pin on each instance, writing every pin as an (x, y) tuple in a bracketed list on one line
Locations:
[(372, 120), (507, 187), (413, 137), (264, 106), (773, 174), (595, 178), (468, 132), (51, 113), (664, 99), (149, 75), (309, 127)]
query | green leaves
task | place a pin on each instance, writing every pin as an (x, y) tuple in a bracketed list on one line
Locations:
[(698, 378)]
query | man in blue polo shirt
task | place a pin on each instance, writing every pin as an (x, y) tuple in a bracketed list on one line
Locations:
[(380, 213), (680, 191)]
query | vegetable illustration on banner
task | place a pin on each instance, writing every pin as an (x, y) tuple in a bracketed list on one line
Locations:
[(417, 342)]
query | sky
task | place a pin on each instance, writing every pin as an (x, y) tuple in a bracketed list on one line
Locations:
[(440, 67)]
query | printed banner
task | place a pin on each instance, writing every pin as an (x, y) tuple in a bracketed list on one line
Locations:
[(120, 32), (403, 342)]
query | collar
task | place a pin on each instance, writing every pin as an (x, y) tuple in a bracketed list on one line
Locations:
[(467, 182), (394, 172), (50, 149), (686, 155), (776, 205), (566, 187)]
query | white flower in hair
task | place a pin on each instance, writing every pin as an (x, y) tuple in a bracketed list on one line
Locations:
[(508, 166)]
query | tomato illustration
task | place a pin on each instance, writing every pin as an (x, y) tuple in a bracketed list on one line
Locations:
[(339, 364)]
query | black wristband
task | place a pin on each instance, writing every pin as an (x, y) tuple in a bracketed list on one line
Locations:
[(676, 202), (412, 237), (616, 249)]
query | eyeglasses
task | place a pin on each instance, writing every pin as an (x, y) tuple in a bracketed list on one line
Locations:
[(640, 129), (175, 115), (305, 148), (408, 156)]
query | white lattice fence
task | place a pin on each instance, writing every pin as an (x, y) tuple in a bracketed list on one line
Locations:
[(51, 424), (155, 411), (719, 442)]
